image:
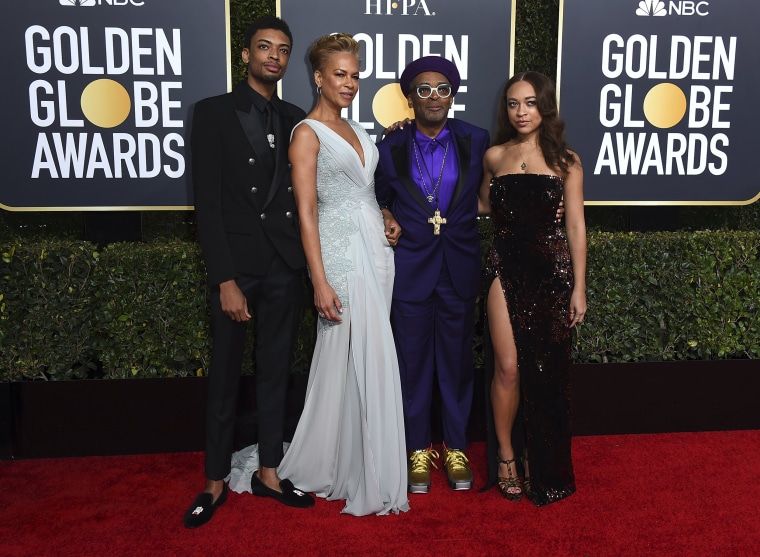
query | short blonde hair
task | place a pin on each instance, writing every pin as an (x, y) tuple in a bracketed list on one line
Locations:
[(327, 45)]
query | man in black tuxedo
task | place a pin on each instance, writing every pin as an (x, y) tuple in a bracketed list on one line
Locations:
[(250, 239)]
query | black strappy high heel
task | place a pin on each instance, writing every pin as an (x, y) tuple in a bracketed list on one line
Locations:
[(511, 482)]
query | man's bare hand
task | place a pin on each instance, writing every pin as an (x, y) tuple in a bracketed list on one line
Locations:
[(234, 304), (399, 125), (392, 228)]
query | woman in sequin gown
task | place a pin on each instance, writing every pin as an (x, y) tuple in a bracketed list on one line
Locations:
[(537, 268), (349, 442)]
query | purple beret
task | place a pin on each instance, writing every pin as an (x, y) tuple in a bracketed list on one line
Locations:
[(430, 64)]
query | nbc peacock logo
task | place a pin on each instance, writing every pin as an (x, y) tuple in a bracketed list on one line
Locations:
[(78, 3), (651, 7)]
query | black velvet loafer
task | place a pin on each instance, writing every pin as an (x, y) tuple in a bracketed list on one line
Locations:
[(290, 496), (202, 509)]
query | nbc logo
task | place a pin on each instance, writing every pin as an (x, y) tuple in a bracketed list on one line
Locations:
[(682, 8), (77, 2), (651, 7)]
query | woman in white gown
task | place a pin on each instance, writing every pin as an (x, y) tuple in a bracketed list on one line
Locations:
[(349, 443)]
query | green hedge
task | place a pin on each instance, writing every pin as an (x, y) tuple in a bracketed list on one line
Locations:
[(671, 296), (150, 306), (47, 317), (130, 310), (68, 310)]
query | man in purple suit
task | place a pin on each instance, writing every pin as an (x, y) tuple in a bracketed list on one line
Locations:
[(427, 180)]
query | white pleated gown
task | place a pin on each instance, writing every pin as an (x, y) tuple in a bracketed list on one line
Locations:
[(349, 443)]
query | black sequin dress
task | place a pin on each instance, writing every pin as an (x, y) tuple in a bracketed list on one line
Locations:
[(531, 258)]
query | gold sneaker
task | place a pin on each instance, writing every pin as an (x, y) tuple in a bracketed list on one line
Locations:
[(418, 470), (457, 470)]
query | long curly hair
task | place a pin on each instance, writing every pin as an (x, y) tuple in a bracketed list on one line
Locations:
[(327, 45), (551, 135)]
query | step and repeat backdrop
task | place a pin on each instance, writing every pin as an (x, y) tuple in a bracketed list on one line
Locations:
[(660, 99), (96, 99), (476, 36), (98, 93)]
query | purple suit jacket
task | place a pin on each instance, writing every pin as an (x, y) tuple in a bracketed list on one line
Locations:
[(420, 254)]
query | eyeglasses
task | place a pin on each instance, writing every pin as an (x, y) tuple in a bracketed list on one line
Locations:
[(424, 90)]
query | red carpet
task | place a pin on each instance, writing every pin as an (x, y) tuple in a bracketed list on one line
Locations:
[(667, 494)]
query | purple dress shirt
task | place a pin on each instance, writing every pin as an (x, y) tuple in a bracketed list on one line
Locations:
[(429, 152)]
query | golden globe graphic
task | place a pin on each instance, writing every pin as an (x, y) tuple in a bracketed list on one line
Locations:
[(63, 58), (665, 105), (98, 100), (701, 65), (658, 99), (106, 103), (390, 105)]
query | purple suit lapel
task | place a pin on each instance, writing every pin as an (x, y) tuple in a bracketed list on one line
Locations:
[(400, 154)]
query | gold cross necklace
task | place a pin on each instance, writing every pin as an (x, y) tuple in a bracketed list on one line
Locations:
[(436, 220)]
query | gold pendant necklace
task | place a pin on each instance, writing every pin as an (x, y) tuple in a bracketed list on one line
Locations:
[(523, 166)]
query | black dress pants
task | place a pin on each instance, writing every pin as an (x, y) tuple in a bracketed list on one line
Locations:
[(275, 300)]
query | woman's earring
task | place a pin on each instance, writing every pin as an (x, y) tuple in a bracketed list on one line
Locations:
[(319, 90)]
